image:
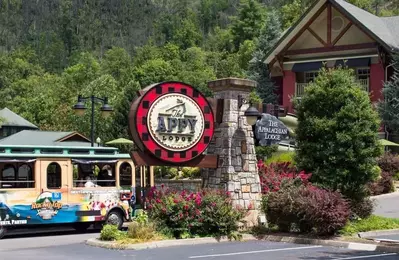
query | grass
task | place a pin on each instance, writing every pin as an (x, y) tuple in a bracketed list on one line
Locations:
[(371, 223)]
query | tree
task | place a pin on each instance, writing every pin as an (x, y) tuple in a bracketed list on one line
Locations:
[(337, 134), (258, 70), (248, 23), (388, 107)]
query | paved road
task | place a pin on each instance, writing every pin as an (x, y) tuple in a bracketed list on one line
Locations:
[(71, 246), (387, 205)]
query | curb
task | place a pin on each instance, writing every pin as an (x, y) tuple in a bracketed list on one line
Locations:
[(162, 243), (246, 237), (371, 234)]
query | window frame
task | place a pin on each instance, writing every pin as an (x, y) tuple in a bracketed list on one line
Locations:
[(57, 166), (15, 181), (120, 174)]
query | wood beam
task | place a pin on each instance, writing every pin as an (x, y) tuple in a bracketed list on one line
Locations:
[(347, 27), (203, 161), (317, 37), (329, 21), (303, 29), (338, 8), (333, 48)]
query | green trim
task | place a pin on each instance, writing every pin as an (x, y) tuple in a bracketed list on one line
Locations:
[(72, 156), (59, 147)]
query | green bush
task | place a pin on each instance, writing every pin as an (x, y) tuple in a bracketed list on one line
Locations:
[(370, 224), (191, 172), (142, 232), (281, 157), (337, 134), (110, 233), (362, 208), (265, 152)]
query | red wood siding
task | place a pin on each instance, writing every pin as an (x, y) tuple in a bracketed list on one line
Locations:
[(288, 89), (377, 75)]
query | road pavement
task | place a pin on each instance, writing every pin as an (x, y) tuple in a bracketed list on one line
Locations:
[(71, 246), (387, 205)]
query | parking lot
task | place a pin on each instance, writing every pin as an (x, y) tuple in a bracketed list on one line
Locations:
[(66, 246)]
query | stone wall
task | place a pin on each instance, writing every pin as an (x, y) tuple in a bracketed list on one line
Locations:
[(180, 185)]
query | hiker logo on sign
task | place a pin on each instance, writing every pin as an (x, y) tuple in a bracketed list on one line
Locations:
[(172, 121)]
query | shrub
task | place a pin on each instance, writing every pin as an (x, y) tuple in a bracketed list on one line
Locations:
[(337, 138), (275, 175), (362, 208), (141, 231), (191, 172), (110, 233), (383, 185), (194, 214), (323, 211), (265, 152), (281, 157), (307, 209), (389, 162)]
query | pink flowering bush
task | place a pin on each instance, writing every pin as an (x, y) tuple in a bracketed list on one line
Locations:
[(187, 214), (273, 176)]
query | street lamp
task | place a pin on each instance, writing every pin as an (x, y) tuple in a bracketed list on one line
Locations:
[(80, 108), (251, 113)]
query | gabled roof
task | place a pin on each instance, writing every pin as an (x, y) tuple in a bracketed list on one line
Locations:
[(382, 29), (9, 118), (45, 138)]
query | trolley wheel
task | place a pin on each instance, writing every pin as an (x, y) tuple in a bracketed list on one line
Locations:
[(114, 218), (81, 226), (3, 232)]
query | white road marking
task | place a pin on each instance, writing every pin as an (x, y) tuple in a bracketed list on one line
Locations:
[(256, 252), (363, 247), (363, 257)]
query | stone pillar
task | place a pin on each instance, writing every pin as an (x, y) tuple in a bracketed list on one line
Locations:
[(234, 143)]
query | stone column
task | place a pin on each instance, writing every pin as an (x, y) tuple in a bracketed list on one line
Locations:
[(234, 143)]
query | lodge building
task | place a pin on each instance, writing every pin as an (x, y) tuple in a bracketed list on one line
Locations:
[(334, 32)]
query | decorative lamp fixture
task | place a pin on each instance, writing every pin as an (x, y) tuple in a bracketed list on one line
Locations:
[(252, 115), (79, 107), (106, 109)]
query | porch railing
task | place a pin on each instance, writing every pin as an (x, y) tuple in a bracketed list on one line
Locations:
[(300, 87)]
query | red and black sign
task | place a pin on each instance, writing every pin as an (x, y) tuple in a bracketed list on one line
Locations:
[(172, 122)]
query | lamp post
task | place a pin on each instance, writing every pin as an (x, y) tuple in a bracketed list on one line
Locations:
[(80, 108)]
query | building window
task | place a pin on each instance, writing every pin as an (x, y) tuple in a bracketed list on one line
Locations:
[(362, 73), (310, 76), (125, 175), (54, 176)]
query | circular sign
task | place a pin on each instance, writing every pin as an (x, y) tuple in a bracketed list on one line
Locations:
[(173, 121)]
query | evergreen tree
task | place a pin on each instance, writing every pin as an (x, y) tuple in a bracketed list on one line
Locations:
[(248, 24), (388, 107), (258, 70), (337, 134)]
